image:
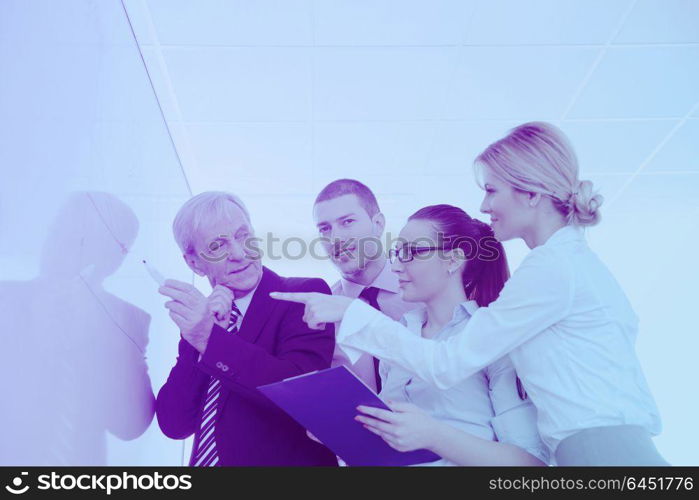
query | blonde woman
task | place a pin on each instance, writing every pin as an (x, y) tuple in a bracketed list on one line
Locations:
[(562, 317)]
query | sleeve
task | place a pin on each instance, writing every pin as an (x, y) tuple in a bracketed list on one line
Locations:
[(385, 366), (340, 358), (515, 420), (178, 403), (299, 350), (384, 370), (538, 295)]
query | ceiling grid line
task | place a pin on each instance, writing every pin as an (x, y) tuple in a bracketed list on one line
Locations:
[(224, 46), (598, 60), (653, 154), (431, 120)]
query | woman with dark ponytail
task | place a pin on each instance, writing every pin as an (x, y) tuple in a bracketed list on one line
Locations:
[(452, 264)]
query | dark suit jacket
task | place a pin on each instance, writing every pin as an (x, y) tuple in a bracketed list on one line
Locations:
[(273, 343)]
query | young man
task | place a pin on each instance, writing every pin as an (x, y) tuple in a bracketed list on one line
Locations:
[(347, 214), (233, 341)]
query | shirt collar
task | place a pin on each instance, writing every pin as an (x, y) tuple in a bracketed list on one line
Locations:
[(386, 280), (564, 234), (244, 302)]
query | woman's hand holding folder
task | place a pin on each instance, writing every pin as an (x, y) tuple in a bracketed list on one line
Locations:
[(405, 428)]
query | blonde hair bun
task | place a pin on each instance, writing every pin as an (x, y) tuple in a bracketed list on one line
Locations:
[(585, 204)]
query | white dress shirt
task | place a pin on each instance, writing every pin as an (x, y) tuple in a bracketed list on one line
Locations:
[(485, 405), (243, 303), (567, 326), (391, 304)]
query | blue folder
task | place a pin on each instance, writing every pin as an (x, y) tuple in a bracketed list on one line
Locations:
[(325, 403)]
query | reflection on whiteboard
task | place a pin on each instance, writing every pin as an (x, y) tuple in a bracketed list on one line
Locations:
[(74, 366)]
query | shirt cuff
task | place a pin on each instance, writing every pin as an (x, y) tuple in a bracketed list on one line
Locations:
[(357, 317), (518, 427)]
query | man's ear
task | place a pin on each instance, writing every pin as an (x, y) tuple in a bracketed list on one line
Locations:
[(193, 263), (380, 221)]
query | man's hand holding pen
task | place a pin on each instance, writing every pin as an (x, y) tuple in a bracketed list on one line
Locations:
[(194, 313)]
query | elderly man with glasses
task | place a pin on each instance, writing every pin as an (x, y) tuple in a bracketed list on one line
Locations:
[(234, 341)]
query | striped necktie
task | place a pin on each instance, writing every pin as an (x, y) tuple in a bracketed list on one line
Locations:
[(204, 452)]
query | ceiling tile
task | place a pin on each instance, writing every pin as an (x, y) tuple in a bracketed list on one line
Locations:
[(456, 144), (661, 21), (647, 193), (232, 22), (401, 196), (606, 185), (636, 217), (391, 22), (381, 83), (285, 215), (615, 146), (241, 84), (389, 148), (516, 83), (641, 82), (273, 186), (505, 22), (276, 156), (459, 190), (680, 153)]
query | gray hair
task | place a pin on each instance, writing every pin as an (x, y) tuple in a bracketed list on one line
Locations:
[(207, 205)]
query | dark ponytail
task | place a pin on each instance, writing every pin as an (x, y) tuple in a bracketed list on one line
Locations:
[(486, 270)]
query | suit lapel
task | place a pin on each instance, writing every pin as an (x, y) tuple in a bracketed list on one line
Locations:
[(261, 306)]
